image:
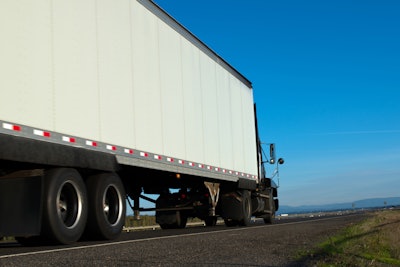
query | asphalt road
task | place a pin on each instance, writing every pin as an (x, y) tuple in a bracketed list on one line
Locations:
[(258, 245)]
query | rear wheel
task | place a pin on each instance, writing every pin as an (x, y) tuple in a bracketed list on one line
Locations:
[(107, 206), (231, 223), (246, 208), (270, 216), (172, 220), (239, 209), (166, 216), (65, 208), (182, 221), (211, 221)]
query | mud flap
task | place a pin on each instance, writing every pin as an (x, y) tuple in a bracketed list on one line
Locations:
[(20, 206), (231, 206)]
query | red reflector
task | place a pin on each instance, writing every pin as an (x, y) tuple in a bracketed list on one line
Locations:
[(16, 128)]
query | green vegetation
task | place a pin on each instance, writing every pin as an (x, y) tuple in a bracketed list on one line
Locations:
[(7, 239), (374, 242), (148, 220), (145, 220)]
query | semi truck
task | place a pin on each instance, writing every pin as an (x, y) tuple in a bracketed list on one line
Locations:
[(105, 103)]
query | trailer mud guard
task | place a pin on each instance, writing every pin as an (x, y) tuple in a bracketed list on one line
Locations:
[(20, 205), (247, 184)]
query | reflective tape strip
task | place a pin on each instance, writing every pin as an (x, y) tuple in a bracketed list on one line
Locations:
[(128, 151), (91, 143), (110, 147), (68, 139), (11, 127), (41, 133)]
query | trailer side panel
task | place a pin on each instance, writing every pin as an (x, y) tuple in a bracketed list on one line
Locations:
[(124, 74)]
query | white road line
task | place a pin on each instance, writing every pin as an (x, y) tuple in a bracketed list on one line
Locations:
[(160, 238)]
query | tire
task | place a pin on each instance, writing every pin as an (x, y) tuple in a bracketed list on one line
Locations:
[(182, 220), (65, 206), (238, 211), (172, 220), (246, 208), (107, 207), (211, 221), (231, 223), (165, 226), (269, 218)]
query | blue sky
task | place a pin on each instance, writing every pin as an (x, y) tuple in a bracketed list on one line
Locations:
[(326, 78)]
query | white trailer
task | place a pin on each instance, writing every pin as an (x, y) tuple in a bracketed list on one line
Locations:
[(106, 99)]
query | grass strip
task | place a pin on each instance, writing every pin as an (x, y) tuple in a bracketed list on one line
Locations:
[(373, 242)]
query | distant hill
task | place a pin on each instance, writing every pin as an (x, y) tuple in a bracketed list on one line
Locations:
[(360, 204)]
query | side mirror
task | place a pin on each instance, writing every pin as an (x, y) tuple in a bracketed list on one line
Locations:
[(272, 155)]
